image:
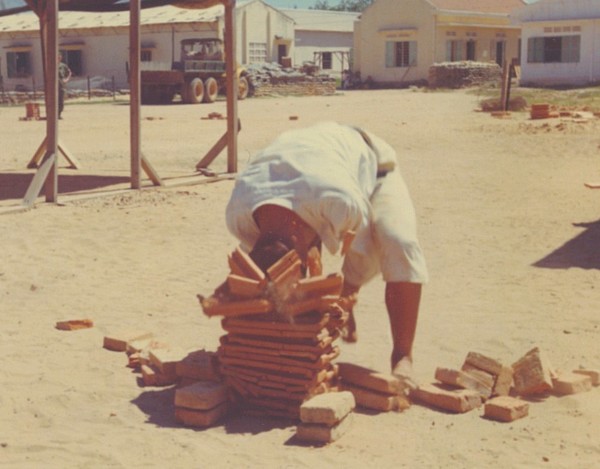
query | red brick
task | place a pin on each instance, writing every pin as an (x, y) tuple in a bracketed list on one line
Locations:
[(593, 374), (504, 382), (214, 307), (203, 395), (369, 399), (118, 341), (74, 324), (319, 286), (321, 434), (198, 365), (532, 374), (201, 418), (505, 409), (460, 379), (328, 408), (458, 401), (484, 363), (244, 287), (370, 379)]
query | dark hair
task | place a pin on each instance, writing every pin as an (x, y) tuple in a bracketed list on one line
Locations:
[(268, 250)]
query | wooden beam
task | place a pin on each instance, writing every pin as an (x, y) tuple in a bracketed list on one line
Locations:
[(150, 172), (39, 178), (51, 179), (232, 85), (41, 151), (216, 149), (134, 90)]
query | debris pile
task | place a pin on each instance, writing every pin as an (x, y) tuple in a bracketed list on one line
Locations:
[(271, 78), (463, 74)]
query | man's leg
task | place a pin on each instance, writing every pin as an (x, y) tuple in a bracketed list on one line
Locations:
[(402, 300)]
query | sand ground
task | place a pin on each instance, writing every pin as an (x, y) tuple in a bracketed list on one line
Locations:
[(510, 233)]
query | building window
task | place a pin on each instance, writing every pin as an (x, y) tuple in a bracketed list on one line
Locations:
[(18, 64), (555, 49), (74, 60), (326, 61), (146, 55), (454, 50), (400, 54), (258, 52)]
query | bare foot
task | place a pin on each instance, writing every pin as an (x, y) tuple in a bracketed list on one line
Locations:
[(403, 370)]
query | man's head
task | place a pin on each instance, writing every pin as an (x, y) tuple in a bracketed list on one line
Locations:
[(268, 250)]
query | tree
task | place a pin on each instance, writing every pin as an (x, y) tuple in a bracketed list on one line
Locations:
[(343, 5)]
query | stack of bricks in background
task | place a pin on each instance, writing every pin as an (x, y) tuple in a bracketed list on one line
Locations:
[(542, 111), (281, 327)]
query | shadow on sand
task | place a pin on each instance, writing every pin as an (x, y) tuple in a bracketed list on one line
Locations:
[(582, 251)]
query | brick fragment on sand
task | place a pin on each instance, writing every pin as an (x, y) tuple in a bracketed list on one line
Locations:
[(118, 341), (203, 395), (458, 401), (328, 408), (201, 418), (532, 374), (460, 379), (504, 382), (370, 379), (571, 383), (505, 409), (484, 363), (166, 359), (378, 401), (593, 374), (321, 434), (198, 365), (74, 324), (485, 377)]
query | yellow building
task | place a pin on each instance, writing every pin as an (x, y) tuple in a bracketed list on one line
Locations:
[(396, 41)]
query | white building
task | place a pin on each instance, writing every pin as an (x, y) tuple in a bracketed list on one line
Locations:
[(97, 44), (560, 42), (323, 37)]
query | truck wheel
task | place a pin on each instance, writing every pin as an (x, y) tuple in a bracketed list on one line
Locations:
[(195, 92), (243, 88), (211, 90)]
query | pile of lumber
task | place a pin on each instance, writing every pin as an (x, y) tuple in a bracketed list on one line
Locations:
[(499, 388), (278, 350)]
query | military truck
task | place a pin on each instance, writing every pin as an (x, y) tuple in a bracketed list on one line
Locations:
[(198, 77)]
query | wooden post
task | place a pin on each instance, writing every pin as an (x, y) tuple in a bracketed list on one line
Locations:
[(51, 183), (232, 86), (134, 92), (505, 81)]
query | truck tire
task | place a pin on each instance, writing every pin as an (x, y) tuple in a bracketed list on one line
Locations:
[(195, 91), (243, 88), (211, 90)]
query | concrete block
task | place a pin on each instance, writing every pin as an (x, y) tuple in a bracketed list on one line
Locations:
[(118, 341), (203, 395), (457, 401), (378, 401), (370, 379), (201, 418), (571, 383), (328, 408), (322, 434), (505, 409), (532, 373)]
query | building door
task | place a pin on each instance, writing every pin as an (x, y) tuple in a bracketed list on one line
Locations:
[(500, 48), (471, 49), (281, 52)]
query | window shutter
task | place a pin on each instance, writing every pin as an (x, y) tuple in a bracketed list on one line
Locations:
[(389, 53), (412, 53)]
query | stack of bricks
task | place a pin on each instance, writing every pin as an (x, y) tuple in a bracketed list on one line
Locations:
[(326, 417), (542, 111), (281, 326)]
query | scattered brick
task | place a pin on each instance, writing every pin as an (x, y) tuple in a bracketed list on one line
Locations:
[(328, 408), (165, 360), (505, 409), (203, 395), (571, 383), (74, 324), (463, 380), (378, 401), (532, 374), (118, 342), (484, 363), (458, 401), (370, 379), (199, 365), (484, 377), (200, 418), (323, 434), (593, 374), (504, 382)]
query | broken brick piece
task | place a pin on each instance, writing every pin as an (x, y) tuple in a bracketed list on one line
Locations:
[(198, 365), (504, 382), (571, 383), (378, 401), (166, 359), (485, 377), (484, 363), (505, 409), (319, 433), (458, 401), (74, 324), (328, 408), (288, 259), (246, 264), (319, 286), (463, 380), (203, 395), (118, 342), (532, 374), (370, 379), (213, 307), (313, 262), (201, 418), (593, 374), (244, 286)]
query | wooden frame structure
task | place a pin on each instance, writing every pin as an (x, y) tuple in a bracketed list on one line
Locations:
[(46, 177)]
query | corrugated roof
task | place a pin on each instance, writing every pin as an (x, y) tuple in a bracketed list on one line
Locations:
[(167, 14), (322, 20), (478, 6), (556, 10)]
